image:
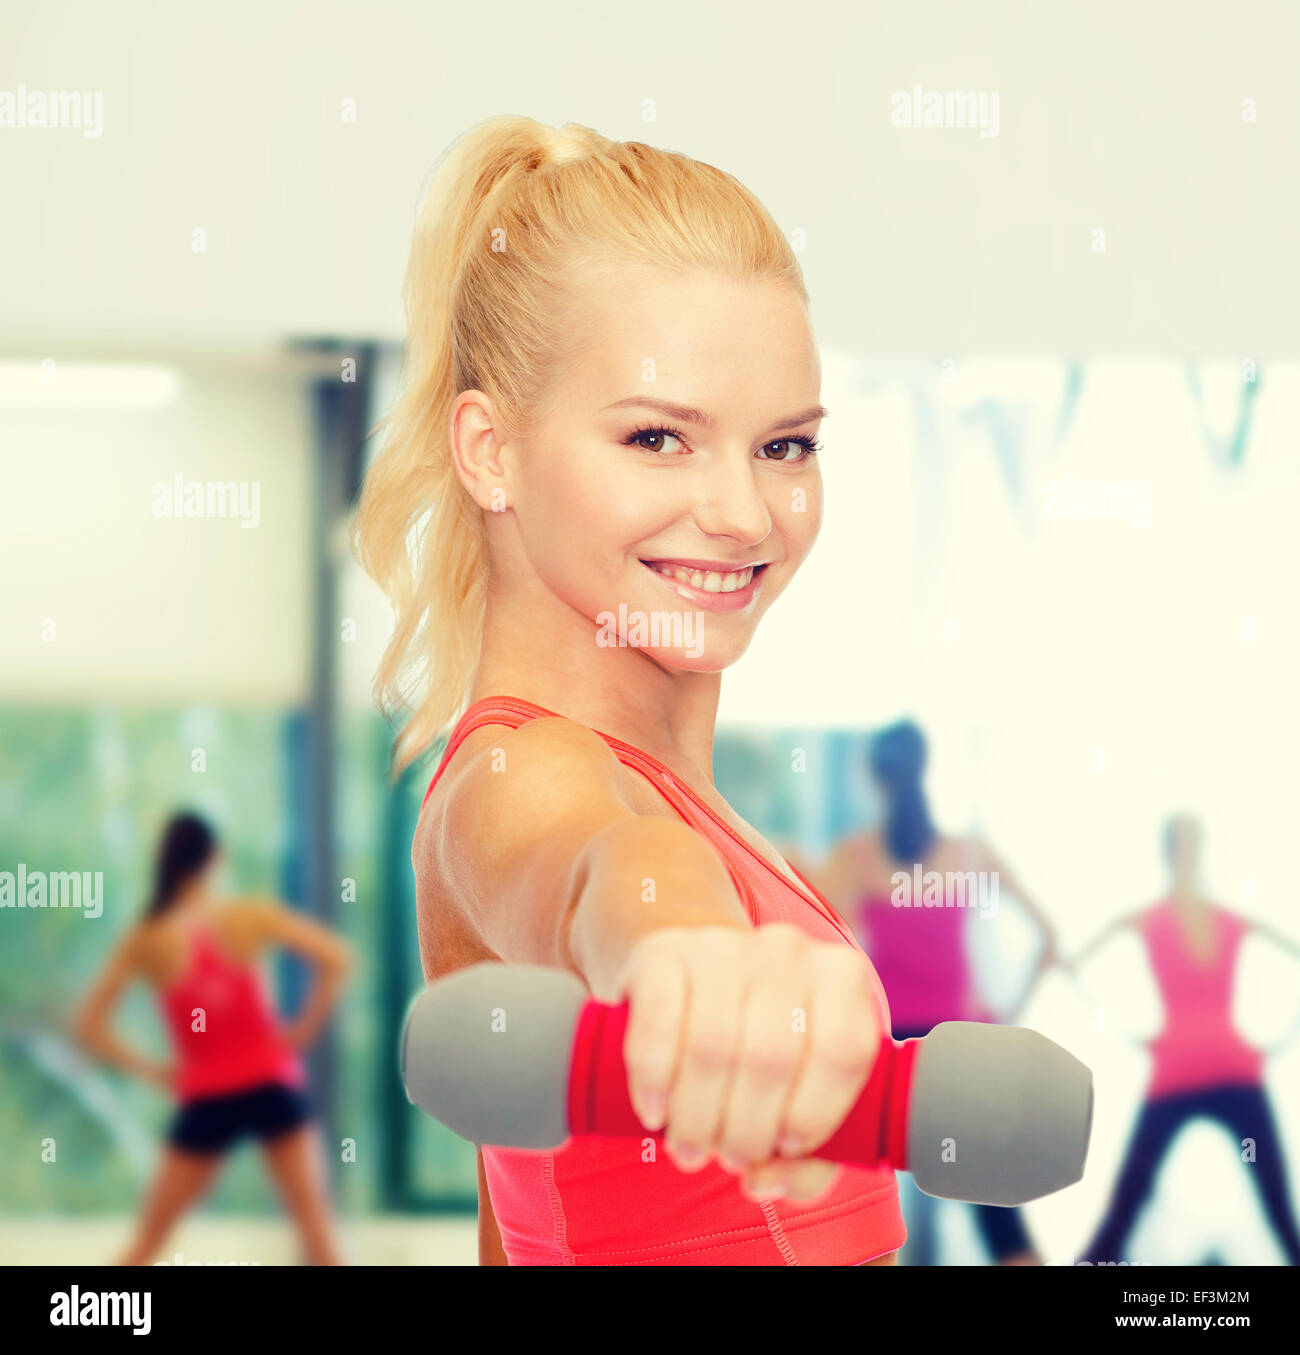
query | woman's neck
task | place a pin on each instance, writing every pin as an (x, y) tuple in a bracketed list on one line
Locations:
[(553, 660), (1187, 895)]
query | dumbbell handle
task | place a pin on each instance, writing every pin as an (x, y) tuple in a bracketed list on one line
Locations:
[(873, 1132)]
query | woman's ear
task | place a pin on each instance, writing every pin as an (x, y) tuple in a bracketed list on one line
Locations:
[(477, 440)]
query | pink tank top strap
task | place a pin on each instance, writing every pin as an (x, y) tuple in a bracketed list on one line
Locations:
[(492, 710), (513, 711)]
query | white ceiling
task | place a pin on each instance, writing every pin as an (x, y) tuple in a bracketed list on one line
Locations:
[(1119, 115)]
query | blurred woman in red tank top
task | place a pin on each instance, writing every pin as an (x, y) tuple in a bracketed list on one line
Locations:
[(235, 1070), (601, 471)]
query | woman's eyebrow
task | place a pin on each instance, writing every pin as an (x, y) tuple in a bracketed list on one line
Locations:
[(701, 419)]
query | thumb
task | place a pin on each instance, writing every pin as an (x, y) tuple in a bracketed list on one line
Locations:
[(801, 1179)]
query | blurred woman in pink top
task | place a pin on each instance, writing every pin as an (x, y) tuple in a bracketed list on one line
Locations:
[(1200, 1066), (909, 891)]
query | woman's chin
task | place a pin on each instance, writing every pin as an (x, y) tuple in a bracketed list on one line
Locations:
[(709, 661), (689, 641)]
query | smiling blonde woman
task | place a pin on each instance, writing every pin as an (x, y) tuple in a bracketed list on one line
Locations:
[(610, 409)]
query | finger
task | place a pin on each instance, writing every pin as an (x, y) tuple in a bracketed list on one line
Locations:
[(656, 993), (766, 1180), (709, 1048), (769, 1059), (844, 1032), (810, 1178), (803, 1179)]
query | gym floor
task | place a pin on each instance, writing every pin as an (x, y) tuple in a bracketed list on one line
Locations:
[(241, 1240)]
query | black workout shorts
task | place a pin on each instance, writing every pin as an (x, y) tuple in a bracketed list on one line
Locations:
[(212, 1124)]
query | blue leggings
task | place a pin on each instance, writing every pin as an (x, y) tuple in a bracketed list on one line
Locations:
[(1246, 1113), (1002, 1227)]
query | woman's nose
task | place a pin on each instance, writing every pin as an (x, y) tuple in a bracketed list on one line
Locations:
[(732, 503)]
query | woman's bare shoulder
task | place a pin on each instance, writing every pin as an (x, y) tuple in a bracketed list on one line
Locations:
[(524, 771), (240, 907), (244, 921), (507, 819)]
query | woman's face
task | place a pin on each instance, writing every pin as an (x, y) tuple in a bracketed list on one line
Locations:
[(669, 491)]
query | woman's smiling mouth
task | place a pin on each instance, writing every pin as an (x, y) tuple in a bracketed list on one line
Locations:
[(710, 584)]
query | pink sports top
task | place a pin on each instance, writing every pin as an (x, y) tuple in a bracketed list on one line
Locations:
[(1198, 1046), (921, 957), (223, 1026), (597, 1201)]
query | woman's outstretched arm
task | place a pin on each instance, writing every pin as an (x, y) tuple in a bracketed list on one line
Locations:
[(555, 856), (553, 860), (1282, 942), (1072, 962)]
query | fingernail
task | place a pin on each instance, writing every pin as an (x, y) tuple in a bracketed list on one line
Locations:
[(791, 1145), (688, 1155), (653, 1109), (731, 1164)]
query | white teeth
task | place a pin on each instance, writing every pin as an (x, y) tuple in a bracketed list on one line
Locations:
[(711, 581)]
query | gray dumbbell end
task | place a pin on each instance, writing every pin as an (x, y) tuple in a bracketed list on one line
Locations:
[(486, 1052), (998, 1115)]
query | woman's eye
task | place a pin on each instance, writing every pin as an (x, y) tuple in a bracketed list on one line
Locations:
[(654, 439), (794, 450)]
